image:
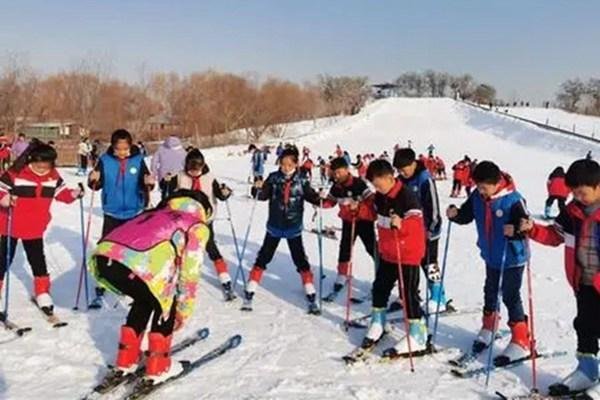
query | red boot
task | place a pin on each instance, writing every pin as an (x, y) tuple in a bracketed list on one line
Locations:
[(41, 290), (254, 278), (519, 346), (307, 282), (222, 271), (489, 324), (158, 364), (128, 355)]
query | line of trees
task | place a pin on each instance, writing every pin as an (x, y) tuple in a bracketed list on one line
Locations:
[(442, 84), (575, 95), (200, 104)]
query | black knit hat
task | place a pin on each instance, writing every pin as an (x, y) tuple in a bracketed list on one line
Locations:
[(42, 152), (194, 160), (404, 157), (337, 163)]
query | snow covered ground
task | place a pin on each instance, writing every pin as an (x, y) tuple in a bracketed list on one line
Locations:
[(583, 124), (287, 354)]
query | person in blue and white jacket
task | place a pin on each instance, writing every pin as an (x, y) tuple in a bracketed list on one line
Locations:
[(415, 175), (125, 181), (497, 208), (286, 190)]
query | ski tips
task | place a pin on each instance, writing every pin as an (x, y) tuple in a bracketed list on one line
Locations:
[(235, 341), (22, 331), (203, 333)]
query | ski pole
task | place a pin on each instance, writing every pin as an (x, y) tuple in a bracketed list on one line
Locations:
[(240, 268), (427, 283), (532, 341), (233, 234), (495, 327), (8, 259), (320, 243), (349, 277), (442, 279), (85, 234), (402, 290)]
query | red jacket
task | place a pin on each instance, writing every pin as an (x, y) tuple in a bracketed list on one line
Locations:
[(31, 212), (439, 163), (355, 189), (430, 164), (557, 187), (411, 237), (308, 165), (568, 227), (362, 169), (461, 171), (4, 152)]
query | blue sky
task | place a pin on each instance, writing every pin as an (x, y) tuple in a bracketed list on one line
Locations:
[(525, 48)]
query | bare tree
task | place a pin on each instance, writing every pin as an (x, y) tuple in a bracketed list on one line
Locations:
[(570, 94), (18, 88), (344, 94), (484, 94)]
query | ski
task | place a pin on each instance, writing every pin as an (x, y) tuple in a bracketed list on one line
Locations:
[(359, 322), (50, 316), (539, 396), (389, 355), (360, 300), (110, 385), (467, 357), (328, 234), (330, 298), (471, 372), (12, 327), (362, 354), (145, 387)]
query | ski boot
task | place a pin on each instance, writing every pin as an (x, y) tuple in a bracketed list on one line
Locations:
[(490, 322), (417, 334), (519, 346), (584, 377)]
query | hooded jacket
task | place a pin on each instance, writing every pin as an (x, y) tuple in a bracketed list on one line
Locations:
[(286, 195), (568, 228), (169, 158), (164, 248), (505, 207)]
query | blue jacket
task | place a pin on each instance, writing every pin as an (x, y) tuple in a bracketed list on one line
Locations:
[(122, 182), (423, 185), (286, 197), (506, 207), (258, 163)]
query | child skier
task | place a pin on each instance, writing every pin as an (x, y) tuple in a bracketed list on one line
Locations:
[(84, 152), (155, 259), (286, 190), (361, 166), (497, 209), (307, 167), (578, 227), (4, 156), (557, 190), (196, 177), (460, 175), (415, 175), (167, 162), (440, 168), (258, 167), (124, 178), (323, 171), (122, 175), (26, 193), (355, 200), (401, 248)]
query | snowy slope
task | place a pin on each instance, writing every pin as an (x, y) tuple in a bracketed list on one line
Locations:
[(287, 354), (583, 124)]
